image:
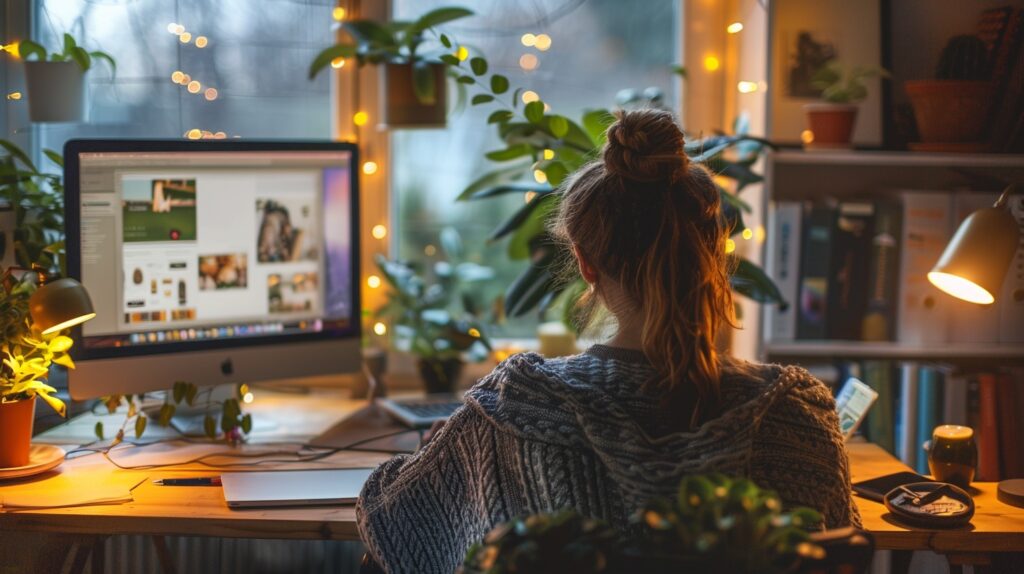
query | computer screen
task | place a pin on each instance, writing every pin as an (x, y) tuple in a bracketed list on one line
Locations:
[(206, 247)]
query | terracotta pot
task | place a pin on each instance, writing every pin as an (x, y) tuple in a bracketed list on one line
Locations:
[(831, 125), (439, 376), (951, 111), (402, 109), (16, 419), (56, 91)]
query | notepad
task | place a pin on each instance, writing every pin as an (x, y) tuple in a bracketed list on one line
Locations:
[(83, 488)]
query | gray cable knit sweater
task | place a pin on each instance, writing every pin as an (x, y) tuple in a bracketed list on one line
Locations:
[(540, 435)]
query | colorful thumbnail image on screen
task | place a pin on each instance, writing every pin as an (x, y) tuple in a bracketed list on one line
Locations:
[(158, 209)]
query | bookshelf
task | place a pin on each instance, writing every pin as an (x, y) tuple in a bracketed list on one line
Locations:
[(890, 350)]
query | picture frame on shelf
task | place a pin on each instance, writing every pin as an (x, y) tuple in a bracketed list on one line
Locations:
[(803, 36)]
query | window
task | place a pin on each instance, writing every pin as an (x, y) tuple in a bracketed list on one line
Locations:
[(233, 68), (588, 41)]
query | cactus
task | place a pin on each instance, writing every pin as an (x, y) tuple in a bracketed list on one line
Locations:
[(964, 58)]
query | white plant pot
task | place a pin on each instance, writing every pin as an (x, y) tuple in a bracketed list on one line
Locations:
[(56, 91)]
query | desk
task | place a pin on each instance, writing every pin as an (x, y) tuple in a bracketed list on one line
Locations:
[(201, 511)]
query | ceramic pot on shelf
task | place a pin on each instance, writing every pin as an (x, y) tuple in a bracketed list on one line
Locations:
[(951, 113), (830, 125), (16, 421), (55, 91), (402, 108)]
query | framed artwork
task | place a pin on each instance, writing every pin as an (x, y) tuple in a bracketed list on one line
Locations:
[(804, 35)]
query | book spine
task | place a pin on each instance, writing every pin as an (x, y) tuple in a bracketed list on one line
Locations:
[(929, 409), (1011, 300), (907, 443), (814, 268), (955, 401), (988, 427), (1011, 455), (848, 277), (883, 274), (784, 261), (926, 230), (879, 424)]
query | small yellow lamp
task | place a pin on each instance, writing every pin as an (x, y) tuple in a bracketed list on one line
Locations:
[(974, 263), (60, 304)]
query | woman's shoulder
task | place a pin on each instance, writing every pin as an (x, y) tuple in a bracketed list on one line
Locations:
[(777, 388)]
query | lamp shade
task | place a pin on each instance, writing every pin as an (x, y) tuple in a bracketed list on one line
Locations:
[(975, 261), (60, 304)]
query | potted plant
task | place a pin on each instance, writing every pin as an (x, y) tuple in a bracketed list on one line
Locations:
[(831, 121), (412, 80), (432, 317), (952, 110), (714, 524), (55, 82)]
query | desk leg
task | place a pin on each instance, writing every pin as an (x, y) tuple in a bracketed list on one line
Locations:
[(99, 557), (164, 555), (901, 561)]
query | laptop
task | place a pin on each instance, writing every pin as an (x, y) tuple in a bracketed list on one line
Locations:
[(293, 487), (421, 412)]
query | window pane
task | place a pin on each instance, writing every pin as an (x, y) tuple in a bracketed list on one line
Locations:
[(597, 48), (253, 54)]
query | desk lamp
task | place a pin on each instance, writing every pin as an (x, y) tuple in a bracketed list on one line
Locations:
[(973, 267), (59, 304)]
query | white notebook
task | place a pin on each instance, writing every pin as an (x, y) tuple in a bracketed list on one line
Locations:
[(293, 487)]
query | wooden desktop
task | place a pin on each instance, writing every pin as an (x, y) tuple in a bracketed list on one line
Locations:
[(161, 511)]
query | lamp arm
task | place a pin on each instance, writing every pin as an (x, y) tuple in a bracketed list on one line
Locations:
[(1005, 196)]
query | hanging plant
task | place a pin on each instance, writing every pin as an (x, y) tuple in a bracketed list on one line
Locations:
[(55, 82)]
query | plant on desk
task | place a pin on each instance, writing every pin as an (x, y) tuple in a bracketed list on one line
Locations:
[(432, 317)]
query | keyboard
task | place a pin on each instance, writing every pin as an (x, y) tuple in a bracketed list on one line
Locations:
[(421, 412)]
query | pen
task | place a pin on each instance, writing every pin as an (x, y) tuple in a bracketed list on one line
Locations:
[(203, 481)]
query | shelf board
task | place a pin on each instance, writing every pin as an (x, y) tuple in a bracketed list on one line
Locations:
[(896, 158), (891, 350)]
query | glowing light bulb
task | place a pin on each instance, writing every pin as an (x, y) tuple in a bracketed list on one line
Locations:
[(201, 41), (184, 37), (730, 246), (380, 328), (807, 136), (734, 28), (338, 63), (11, 49), (528, 62), (543, 42), (379, 231), (338, 13), (530, 96), (14, 96), (462, 53), (177, 76), (746, 87), (194, 134), (540, 176), (373, 281), (711, 63), (210, 94), (748, 234), (549, 154), (528, 40), (369, 167), (360, 118), (194, 87), (247, 398)]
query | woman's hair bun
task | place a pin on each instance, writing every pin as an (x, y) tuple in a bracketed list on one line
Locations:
[(645, 145)]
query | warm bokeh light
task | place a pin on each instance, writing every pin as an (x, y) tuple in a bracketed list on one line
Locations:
[(360, 118), (730, 246), (177, 76), (172, 28), (247, 398), (734, 28), (194, 87), (14, 96), (210, 94), (528, 40), (528, 62), (202, 41), (549, 154), (369, 167), (961, 288), (11, 49), (380, 328), (747, 234), (746, 87), (807, 136), (462, 53), (373, 281), (540, 176), (430, 250), (194, 134), (711, 63), (338, 63), (185, 79), (338, 14), (473, 332), (528, 196), (185, 37), (543, 42), (220, 135), (530, 96), (179, 29), (379, 231), (759, 234)]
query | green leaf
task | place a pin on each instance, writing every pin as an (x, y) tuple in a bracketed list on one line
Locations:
[(438, 17), (82, 58), (500, 175), (538, 188), (97, 54), (328, 55), (98, 430), (532, 228), (17, 153), (166, 414), (371, 35), (450, 60), (499, 116), (482, 99), (423, 83), (445, 41), (478, 65), (596, 123), (465, 80), (54, 157), (558, 125), (555, 171), (69, 44), (140, 426), (210, 426), (751, 281), (532, 286), (519, 217), (247, 423), (499, 84), (534, 111), (27, 48), (178, 391), (509, 153)]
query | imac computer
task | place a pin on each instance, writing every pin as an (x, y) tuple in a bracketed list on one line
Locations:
[(212, 261)]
